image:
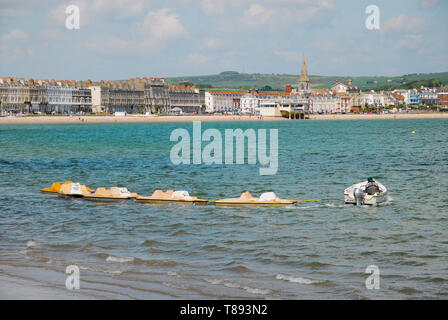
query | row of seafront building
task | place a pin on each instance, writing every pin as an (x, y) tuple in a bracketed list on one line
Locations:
[(136, 95), (153, 95), (340, 98)]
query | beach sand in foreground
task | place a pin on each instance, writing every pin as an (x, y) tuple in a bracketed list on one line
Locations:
[(204, 118)]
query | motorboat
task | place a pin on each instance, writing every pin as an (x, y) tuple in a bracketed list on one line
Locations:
[(369, 192), (246, 199), (171, 196), (112, 194)]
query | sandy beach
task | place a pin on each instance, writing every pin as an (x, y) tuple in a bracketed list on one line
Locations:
[(211, 118)]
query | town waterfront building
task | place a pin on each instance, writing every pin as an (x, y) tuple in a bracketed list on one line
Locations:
[(429, 96), (223, 101), (133, 96), (414, 98), (156, 95), (443, 97), (349, 89), (60, 97), (19, 96), (324, 104), (249, 103), (372, 99), (288, 110), (405, 94), (187, 99)]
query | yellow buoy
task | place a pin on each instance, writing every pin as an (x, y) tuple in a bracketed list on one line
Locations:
[(413, 132)]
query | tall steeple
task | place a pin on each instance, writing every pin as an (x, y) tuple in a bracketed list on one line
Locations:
[(304, 81)]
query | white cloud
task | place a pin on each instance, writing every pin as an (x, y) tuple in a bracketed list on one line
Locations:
[(161, 26), (111, 44), (429, 3), (283, 13), (125, 8), (329, 4), (411, 41), (338, 60), (9, 12), (290, 55), (15, 35), (51, 34), (403, 23), (157, 29), (257, 15), (198, 58), (212, 7), (213, 43), (230, 54), (15, 54)]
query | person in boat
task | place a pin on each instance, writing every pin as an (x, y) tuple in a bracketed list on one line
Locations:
[(371, 186)]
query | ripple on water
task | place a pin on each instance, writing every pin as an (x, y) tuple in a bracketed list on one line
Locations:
[(234, 285), (299, 280)]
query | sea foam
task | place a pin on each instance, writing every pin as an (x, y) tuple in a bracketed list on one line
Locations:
[(299, 280), (119, 259)]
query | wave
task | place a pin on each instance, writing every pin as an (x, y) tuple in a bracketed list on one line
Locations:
[(138, 261), (150, 243), (257, 291), (32, 243), (154, 262), (233, 285), (316, 265), (175, 286), (92, 245), (119, 259), (173, 274), (299, 280), (238, 268)]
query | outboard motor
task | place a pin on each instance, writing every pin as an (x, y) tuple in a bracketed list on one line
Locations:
[(359, 195)]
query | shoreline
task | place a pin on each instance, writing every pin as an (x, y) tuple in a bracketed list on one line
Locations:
[(206, 118)]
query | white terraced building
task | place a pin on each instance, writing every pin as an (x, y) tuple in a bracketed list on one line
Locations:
[(372, 98), (60, 98), (249, 103), (324, 104), (223, 101)]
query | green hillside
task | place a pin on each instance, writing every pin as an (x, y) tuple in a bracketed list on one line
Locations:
[(235, 80)]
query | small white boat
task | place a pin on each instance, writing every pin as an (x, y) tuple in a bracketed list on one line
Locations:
[(369, 192)]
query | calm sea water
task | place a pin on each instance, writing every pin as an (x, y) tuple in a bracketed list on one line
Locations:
[(311, 250)]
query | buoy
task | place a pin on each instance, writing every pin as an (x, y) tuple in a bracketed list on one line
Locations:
[(413, 132)]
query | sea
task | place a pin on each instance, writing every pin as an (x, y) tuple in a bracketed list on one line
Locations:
[(322, 249)]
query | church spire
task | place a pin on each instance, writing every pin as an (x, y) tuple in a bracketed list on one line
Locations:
[(304, 81)]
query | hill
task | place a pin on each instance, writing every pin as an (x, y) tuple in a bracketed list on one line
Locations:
[(236, 80)]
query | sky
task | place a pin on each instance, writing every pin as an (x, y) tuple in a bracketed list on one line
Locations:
[(120, 39)]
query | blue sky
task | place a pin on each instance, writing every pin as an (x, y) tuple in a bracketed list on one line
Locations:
[(119, 39)]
